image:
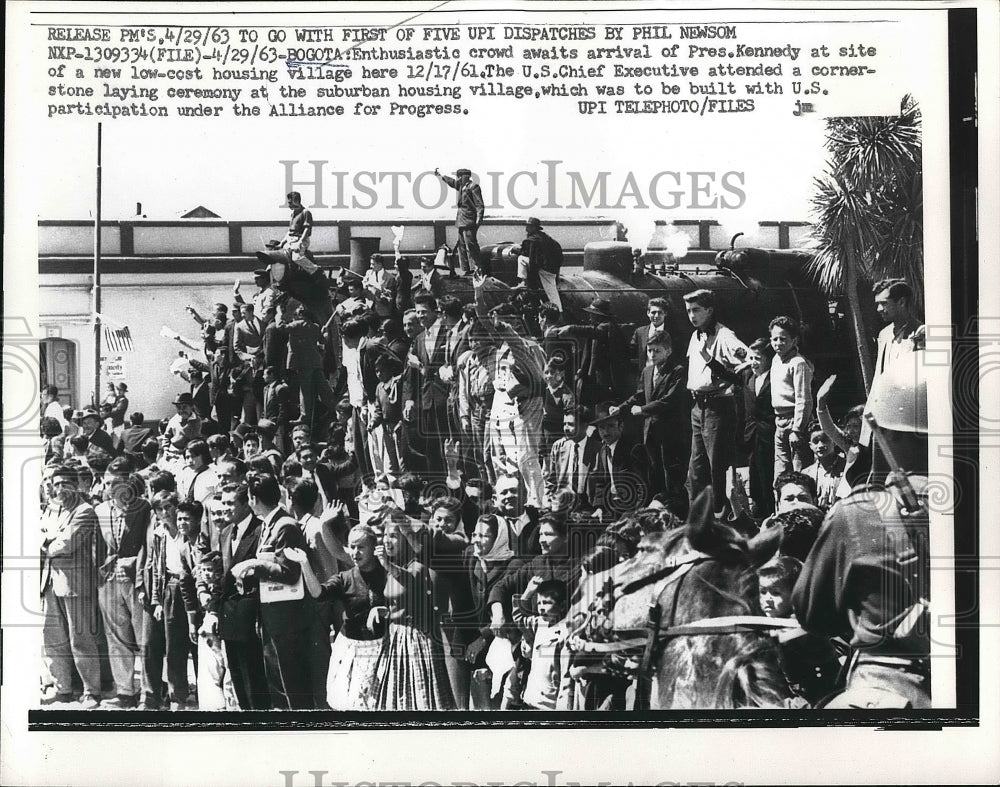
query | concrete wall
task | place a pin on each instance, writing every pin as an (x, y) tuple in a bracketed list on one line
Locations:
[(145, 304)]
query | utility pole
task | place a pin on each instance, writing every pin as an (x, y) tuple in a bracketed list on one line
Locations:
[(97, 279)]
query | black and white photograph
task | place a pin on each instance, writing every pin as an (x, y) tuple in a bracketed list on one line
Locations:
[(598, 391)]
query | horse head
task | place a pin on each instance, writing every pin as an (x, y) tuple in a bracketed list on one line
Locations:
[(691, 575)]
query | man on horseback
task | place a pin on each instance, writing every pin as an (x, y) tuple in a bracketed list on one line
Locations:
[(867, 577)]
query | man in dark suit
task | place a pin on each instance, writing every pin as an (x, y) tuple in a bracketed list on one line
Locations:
[(471, 209), (758, 426), (286, 621), (70, 557), (248, 335), (618, 480), (305, 358), (664, 404), (233, 615), (424, 393), (279, 406)]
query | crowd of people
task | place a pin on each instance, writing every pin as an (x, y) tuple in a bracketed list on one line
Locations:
[(392, 508)]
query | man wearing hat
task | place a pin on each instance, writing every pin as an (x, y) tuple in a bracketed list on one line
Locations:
[(69, 590), (540, 258), (468, 218), (603, 370), (185, 426), (618, 479), (91, 422), (867, 577)]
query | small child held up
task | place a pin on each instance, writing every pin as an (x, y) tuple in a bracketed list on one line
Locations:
[(544, 638), (810, 662)]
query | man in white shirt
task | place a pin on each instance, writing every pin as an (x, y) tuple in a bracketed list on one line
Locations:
[(50, 400), (713, 354), (893, 302)]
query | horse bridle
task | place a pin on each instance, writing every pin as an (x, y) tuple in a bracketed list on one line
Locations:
[(673, 571)]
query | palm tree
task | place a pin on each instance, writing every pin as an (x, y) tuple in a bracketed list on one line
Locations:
[(869, 212)]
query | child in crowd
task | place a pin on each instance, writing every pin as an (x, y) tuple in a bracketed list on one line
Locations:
[(791, 396), (388, 416), (558, 401), (810, 662), (544, 636), (828, 469)]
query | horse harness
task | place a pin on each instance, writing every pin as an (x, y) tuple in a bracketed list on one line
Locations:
[(670, 576)]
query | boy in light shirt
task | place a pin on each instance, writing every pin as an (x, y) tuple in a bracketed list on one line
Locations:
[(791, 397), (544, 638)]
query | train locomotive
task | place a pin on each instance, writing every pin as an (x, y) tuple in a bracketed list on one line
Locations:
[(752, 286)]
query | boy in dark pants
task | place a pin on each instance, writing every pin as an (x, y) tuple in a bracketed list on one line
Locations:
[(173, 606), (664, 404)]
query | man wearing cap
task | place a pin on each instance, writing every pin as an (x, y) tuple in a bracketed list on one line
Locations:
[(470, 215), (603, 370), (95, 434), (540, 258), (185, 426), (69, 590), (264, 299), (867, 577)]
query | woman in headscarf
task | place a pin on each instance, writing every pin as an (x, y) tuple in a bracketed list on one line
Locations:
[(488, 561), (360, 591)]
